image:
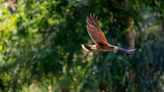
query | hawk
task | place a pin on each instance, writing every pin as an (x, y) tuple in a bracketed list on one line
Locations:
[(98, 37)]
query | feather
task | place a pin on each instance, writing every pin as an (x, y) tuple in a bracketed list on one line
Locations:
[(94, 30)]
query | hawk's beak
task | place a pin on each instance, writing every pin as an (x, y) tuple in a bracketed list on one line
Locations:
[(84, 47)]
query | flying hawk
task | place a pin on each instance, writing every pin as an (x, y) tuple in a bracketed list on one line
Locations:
[(99, 38)]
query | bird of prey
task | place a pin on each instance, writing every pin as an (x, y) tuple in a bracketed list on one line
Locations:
[(99, 38)]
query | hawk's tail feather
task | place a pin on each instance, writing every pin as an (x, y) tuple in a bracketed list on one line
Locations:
[(131, 51)]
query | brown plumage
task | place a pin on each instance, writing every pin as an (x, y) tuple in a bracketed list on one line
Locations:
[(99, 38)]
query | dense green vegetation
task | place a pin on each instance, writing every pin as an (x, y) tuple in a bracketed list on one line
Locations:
[(40, 46)]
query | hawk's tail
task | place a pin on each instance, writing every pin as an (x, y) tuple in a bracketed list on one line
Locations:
[(131, 51), (89, 47)]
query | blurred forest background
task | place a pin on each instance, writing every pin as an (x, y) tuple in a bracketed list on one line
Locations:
[(40, 46)]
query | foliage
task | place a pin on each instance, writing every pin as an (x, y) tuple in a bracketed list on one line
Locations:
[(40, 46)]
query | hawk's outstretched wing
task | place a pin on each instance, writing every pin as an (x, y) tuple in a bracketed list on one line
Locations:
[(94, 31)]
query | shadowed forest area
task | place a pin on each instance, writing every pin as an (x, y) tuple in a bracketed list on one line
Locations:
[(40, 46)]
